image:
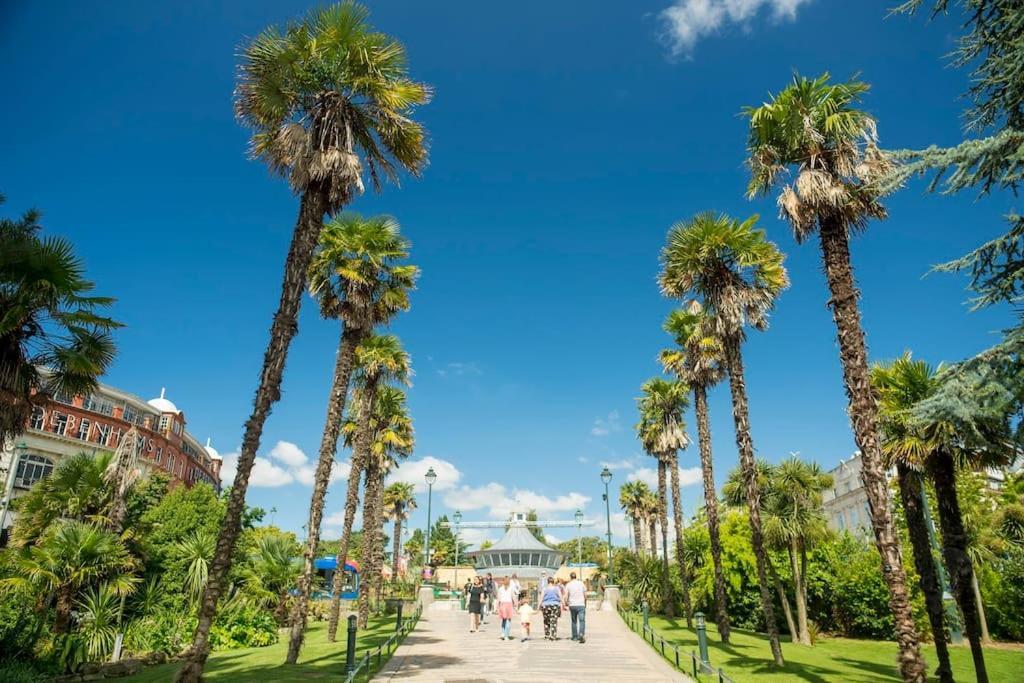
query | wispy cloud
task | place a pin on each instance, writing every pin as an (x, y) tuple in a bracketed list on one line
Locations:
[(688, 476), (413, 471), (286, 463), (687, 21), (471, 368), (626, 464), (606, 425), (499, 501)]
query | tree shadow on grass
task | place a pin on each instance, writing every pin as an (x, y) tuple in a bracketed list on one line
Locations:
[(889, 671)]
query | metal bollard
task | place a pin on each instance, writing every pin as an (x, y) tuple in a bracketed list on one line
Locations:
[(350, 651), (702, 637), (645, 607), (398, 619)]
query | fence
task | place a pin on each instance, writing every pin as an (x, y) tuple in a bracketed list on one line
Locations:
[(687, 662), (378, 654)]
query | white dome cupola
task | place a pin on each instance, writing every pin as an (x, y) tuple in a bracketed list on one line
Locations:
[(162, 404)]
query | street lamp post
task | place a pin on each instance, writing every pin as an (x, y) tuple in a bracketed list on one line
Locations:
[(606, 477), (12, 471), (457, 518), (579, 538), (430, 478)]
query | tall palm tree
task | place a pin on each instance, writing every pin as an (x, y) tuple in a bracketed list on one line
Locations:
[(68, 558), (652, 510), (633, 499), (796, 522), (356, 275), (379, 359), (50, 319), (936, 447), (399, 502), (662, 430), (390, 440), (738, 273), (812, 128), (324, 97), (697, 361)]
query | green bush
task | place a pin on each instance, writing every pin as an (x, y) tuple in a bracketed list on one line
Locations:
[(243, 627), (22, 672), (1004, 596)]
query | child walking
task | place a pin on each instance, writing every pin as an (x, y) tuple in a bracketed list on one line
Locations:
[(525, 613)]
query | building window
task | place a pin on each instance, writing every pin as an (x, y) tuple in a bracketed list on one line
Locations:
[(59, 422), (130, 414), (170, 462), (63, 397), (83, 429), (159, 454), (38, 418), (176, 427), (99, 404), (164, 422), (32, 468)]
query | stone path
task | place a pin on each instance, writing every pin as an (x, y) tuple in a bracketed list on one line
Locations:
[(442, 650)]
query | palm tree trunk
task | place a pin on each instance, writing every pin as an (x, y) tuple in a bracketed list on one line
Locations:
[(371, 540), (835, 249), (343, 365), (787, 611), (307, 230), (745, 446), (803, 635), (359, 458), (666, 586), (637, 533), (677, 521), (917, 529), (985, 637), (700, 403), (396, 546), (954, 549), (652, 535), (62, 610)]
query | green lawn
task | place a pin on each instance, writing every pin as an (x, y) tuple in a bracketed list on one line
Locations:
[(319, 659), (747, 658)]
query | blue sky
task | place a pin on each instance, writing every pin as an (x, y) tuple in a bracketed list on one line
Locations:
[(566, 138)]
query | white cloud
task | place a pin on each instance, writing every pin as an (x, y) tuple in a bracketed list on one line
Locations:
[(626, 464), (414, 471), (284, 464), (688, 476), (687, 21), (500, 501), (460, 369), (583, 459), (474, 537), (607, 425)]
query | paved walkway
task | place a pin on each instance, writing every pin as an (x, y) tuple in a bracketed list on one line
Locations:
[(442, 650)]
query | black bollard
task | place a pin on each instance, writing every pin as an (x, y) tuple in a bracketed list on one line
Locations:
[(702, 637), (398, 619), (350, 650)]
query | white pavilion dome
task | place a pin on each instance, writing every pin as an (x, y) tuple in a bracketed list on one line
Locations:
[(162, 404), (211, 451)]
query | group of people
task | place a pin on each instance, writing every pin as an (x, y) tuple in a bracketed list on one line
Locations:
[(553, 598)]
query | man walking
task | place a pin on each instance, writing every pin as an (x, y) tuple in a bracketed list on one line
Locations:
[(576, 596)]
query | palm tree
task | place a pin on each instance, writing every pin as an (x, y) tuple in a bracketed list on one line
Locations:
[(739, 274), (813, 128), (936, 447), (663, 432), (49, 319), (399, 502), (68, 558), (697, 361), (652, 509), (633, 499), (380, 358), (795, 521), (271, 572), (324, 97), (197, 551), (356, 275), (390, 439)]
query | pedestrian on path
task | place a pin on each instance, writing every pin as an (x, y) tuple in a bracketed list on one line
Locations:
[(516, 587), (476, 602), (576, 597), (488, 595), (551, 604), (525, 614), (506, 608)]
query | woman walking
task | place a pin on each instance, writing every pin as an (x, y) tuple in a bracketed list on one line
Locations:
[(551, 607), (475, 595), (506, 607)]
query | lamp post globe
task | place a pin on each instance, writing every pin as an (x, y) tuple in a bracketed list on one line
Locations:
[(430, 477)]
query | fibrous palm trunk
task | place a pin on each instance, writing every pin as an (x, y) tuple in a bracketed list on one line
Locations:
[(652, 535), (954, 550), (787, 611), (803, 634), (396, 546), (863, 410), (700, 403), (637, 532), (910, 495), (284, 327), (745, 446), (677, 521), (666, 585), (985, 637), (371, 539), (343, 366), (358, 465)]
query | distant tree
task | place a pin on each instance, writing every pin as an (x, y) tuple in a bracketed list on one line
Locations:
[(442, 543), (399, 502), (414, 546), (486, 544), (633, 497), (594, 549)]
